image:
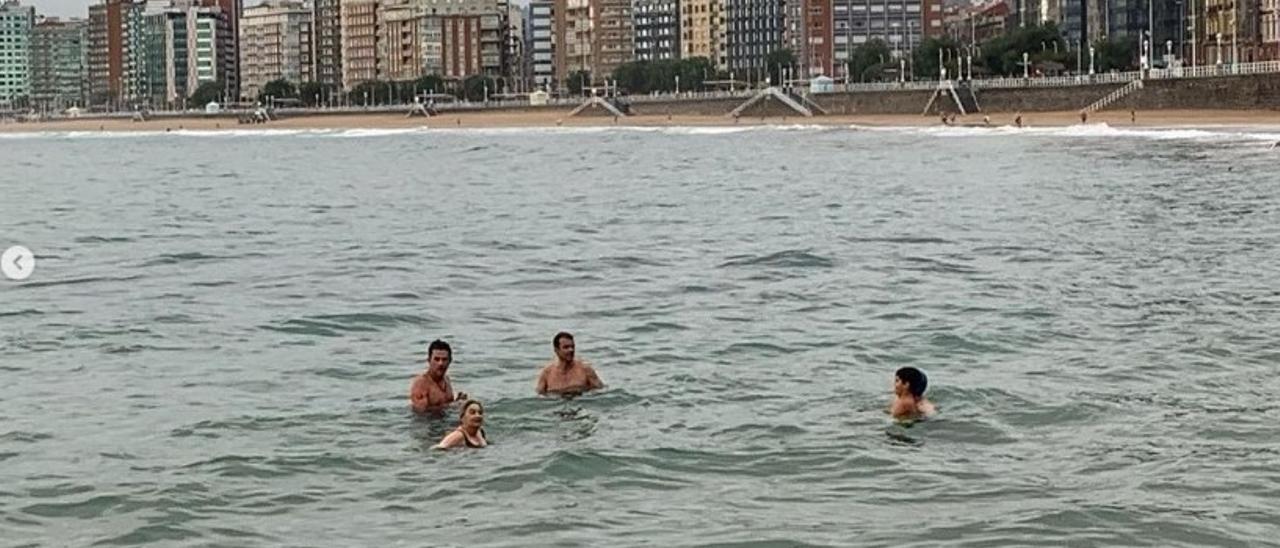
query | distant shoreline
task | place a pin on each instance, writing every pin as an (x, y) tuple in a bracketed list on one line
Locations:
[(560, 118)]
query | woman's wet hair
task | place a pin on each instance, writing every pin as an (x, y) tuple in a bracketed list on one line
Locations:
[(467, 405), (916, 380)]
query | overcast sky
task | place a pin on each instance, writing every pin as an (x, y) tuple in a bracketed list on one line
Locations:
[(80, 8), (61, 8)]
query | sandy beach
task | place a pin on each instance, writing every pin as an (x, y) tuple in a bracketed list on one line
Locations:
[(502, 119)]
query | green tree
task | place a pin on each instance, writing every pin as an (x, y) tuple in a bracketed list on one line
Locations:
[(206, 93), (925, 57), (693, 73), (869, 60), (776, 61), (1116, 54), (577, 81), (314, 93), (370, 92), (1003, 55), (636, 76), (431, 83), (479, 88), (279, 89)]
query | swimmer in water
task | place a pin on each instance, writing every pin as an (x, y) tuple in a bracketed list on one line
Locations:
[(566, 375), (909, 402), (470, 432), (432, 390)]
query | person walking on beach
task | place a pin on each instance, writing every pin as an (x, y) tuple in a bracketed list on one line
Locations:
[(432, 390), (566, 374), (470, 432)]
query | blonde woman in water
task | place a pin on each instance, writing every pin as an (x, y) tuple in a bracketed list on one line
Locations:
[(470, 432)]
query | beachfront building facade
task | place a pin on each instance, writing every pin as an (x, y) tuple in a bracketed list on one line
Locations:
[(541, 38), (359, 27), (470, 35), (753, 30), (702, 31), (515, 50), (403, 40), (182, 47), (817, 55), (106, 52), (902, 24), (657, 29), (401, 35), (1269, 19), (614, 35), (58, 70), (574, 55), (16, 22), (1244, 30), (276, 43), (326, 18)]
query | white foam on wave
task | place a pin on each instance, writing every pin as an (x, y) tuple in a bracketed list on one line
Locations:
[(151, 133), (1173, 133), (1260, 134), (357, 133)]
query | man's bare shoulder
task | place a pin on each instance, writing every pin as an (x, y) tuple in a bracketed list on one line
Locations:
[(419, 382)]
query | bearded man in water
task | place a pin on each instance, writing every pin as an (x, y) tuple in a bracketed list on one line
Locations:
[(567, 375)]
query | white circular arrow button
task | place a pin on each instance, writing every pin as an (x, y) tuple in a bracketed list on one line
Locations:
[(17, 263)]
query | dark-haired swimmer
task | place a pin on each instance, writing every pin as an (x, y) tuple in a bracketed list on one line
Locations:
[(909, 402), (470, 432), (431, 389), (566, 374)]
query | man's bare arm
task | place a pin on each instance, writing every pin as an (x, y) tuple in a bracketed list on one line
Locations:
[(541, 386)]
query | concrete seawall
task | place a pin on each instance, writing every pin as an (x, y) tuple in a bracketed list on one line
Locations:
[(1227, 93), (1251, 92)]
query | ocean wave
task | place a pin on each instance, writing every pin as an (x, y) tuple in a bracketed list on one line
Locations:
[(1101, 130), (439, 127)]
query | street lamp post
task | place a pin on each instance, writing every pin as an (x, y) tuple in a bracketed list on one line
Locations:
[(1195, 41), (1146, 54), (1235, 51), (1219, 54)]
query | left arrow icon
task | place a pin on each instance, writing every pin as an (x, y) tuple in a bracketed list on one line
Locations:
[(18, 263)]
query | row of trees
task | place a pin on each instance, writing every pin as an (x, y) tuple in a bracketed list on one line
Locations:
[(663, 76), (475, 88), (875, 60)]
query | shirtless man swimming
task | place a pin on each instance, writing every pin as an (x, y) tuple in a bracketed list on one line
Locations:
[(565, 374), (431, 390), (909, 402)]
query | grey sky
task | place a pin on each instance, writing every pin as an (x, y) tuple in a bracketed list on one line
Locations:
[(60, 8), (80, 8)]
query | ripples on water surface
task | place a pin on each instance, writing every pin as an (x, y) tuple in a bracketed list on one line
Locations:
[(217, 343)]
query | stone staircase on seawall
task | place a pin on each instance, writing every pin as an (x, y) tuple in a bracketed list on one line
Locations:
[(1113, 97)]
